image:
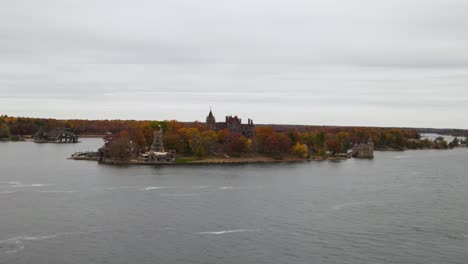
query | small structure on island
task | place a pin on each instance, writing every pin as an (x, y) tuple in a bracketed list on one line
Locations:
[(157, 154), (233, 124), (57, 135), (363, 150), (87, 155)]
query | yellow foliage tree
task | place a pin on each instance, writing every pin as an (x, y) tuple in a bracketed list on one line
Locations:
[(300, 150)]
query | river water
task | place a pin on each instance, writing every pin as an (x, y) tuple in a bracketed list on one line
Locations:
[(401, 207)]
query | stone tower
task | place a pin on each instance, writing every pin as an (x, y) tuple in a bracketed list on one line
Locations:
[(211, 121), (158, 145)]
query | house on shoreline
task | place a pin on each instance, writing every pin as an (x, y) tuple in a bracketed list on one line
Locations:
[(57, 135), (363, 150)]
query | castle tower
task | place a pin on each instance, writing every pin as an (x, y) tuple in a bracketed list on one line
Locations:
[(211, 121), (157, 145)]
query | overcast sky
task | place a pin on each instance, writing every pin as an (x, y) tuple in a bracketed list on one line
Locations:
[(330, 62)]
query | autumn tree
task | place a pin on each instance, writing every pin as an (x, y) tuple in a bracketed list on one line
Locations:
[(320, 139), (332, 144), (4, 130), (294, 135), (191, 138), (160, 124), (174, 141), (223, 135), (270, 141), (236, 144), (120, 148), (209, 140), (300, 150), (263, 137), (343, 141), (138, 139), (174, 125), (309, 140), (200, 151)]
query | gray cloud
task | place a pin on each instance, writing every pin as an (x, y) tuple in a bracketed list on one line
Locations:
[(392, 33), (366, 62)]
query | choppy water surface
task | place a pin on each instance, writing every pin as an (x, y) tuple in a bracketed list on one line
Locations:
[(401, 207)]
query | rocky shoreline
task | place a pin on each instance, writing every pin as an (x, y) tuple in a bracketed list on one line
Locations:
[(214, 161)]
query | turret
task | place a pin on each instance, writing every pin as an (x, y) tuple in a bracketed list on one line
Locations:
[(210, 118), (211, 121)]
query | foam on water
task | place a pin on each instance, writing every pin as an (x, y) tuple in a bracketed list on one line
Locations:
[(226, 188), (16, 244), (56, 191), (238, 188), (200, 187), (226, 232), (149, 188), (120, 187), (179, 194), (15, 184)]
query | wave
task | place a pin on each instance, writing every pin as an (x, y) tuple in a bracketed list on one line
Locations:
[(16, 244), (149, 188), (50, 191), (402, 157), (226, 232), (238, 188), (57, 191), (120, 187), (15, 184), (200, 187), (226, 188), (179, 194), (344, 205), (8, 192)]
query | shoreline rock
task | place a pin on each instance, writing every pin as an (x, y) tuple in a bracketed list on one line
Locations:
[(215, 161)]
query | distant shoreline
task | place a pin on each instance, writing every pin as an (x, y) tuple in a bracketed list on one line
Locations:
[(29, 138), (91, 136)]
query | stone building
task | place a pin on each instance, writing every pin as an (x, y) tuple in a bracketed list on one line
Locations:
[(158, 144), (233, 124), (363, 150), (157, 153), (57, 135)]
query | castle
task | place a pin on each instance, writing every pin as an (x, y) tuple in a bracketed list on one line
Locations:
[(233, 124)]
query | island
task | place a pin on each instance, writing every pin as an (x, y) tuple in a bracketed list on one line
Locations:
[(230, 141)]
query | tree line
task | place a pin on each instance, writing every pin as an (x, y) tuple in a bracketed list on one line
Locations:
[(195, 139)]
